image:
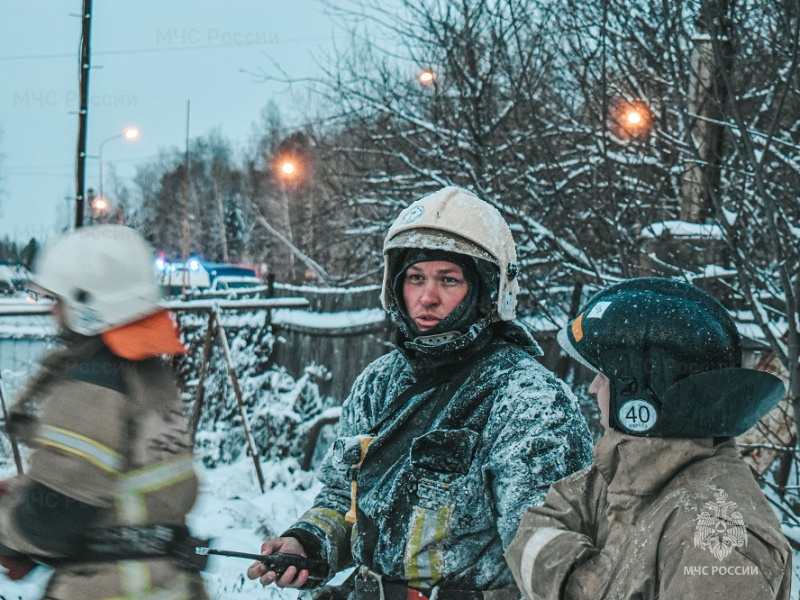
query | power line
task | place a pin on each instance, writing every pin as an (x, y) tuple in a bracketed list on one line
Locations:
[(40, 174), (156, 50), (167, 152)]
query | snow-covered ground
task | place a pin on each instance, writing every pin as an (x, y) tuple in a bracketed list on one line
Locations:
[(237, 516)]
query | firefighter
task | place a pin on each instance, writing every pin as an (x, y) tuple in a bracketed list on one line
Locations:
[(445, 440), (668, 509), (110, 477)]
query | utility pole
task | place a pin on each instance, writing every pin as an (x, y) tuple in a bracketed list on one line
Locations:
[(186, 232), (83, 114), (707, 95), (221, 210), (710, 59)]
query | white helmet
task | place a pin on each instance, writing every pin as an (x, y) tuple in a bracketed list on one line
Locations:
[(456, 220), (104, 276)]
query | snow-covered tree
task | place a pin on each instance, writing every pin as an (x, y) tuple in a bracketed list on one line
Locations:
[(458, 93), (197, 213), (599, 129)]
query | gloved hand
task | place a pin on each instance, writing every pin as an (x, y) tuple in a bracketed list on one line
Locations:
[(16, 565)]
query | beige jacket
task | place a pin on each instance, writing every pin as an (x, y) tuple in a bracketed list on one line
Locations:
[(653, 519), (109, 433)]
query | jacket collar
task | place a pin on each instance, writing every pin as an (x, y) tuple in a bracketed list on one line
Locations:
[(640, 466)]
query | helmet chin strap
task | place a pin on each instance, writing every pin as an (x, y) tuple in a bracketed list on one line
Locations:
[(437, 339), (447, 344)]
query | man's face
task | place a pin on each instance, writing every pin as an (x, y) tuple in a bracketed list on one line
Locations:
[(431, 290), (600, 390)]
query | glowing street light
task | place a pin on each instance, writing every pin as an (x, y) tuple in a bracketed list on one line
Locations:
[(291, 167), (631, 120), (288, 168), (634, 118), (99, 204), (426, 77)]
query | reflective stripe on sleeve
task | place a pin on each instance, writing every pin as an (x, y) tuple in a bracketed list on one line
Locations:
[(74, 443), (131, 507), (157, 476), (331, 522), (134, 577), (533, 546)]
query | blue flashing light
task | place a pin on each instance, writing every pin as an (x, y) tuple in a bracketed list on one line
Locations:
[(194, 265)]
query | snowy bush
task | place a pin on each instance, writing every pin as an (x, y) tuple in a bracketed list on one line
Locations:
[(280, 410)]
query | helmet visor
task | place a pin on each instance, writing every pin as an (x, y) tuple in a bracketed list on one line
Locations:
[(433, 239)]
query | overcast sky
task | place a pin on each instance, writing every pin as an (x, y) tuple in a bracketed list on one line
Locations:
[(149, 57)]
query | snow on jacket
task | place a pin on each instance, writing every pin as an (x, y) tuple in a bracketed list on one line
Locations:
[(111, 448), (450, 504), (654, 518)]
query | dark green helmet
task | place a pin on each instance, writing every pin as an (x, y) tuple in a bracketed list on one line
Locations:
[(673, 356)]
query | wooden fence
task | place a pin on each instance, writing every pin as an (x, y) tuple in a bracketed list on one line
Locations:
[(330, 299), (343, 331), (26, 333)]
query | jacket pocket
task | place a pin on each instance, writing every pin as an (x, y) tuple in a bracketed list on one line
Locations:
[(447, 451), (440, 461)]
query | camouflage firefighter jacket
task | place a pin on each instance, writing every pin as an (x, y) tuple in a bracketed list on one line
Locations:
[(450, 501), (653, 518), (110, 448)]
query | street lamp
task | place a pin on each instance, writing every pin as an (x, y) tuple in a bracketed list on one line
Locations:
[(129, 133), (634, 118), (288, 168), (99, 204), (631, 120), (426, 77)]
